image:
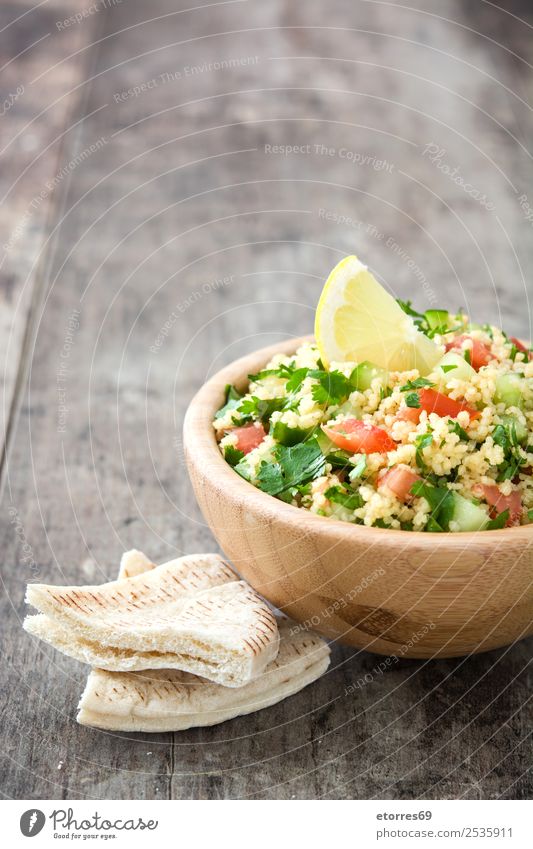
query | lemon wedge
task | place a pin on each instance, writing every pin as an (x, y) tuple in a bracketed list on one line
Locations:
[(356, 320)]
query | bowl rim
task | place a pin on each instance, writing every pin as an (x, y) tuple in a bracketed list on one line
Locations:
[(199, 440)]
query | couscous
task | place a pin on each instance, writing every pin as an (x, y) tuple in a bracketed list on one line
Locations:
[(450, 450)]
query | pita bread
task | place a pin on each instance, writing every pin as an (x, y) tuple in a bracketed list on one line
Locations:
[(192, 614), (170, 700), (133, 563)]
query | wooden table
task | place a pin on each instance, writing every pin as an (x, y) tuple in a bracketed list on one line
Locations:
[(176, 185)]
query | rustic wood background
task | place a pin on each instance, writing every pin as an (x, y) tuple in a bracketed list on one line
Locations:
[(151, 235)]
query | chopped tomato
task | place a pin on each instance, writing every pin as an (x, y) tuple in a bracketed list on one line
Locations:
[(409, 414), (480, 354), (435, 402), (520, 346), (359, 437), (399, 480), (248, 437), (499, 502)]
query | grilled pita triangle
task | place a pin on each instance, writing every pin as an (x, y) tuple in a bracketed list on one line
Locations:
[(171, 700), (192, 614)]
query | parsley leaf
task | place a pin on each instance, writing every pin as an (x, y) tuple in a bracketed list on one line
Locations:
[(350, 500), (296, 379), (412, 399), (243, 470), (440, 501), (260, 408), (468, 356), (499, 436), (267, 372), (455, 427), (419, 383), (359, 469), (446, 369), (293, 465), (232, 455), (282, 371), (339, 459), (407, 307), (499, 522), (422, 441), (506, 437), (271, 478), (332, 387), (430, 322), (232, 400)]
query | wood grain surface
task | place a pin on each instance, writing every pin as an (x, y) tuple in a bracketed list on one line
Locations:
[(210, 166)]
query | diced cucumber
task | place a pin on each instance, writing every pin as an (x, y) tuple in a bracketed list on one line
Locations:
[(325, 444), (437, 320), (468, 516), (286, 435), (363, 375), (453, 366), (520, 430), (509, 391)]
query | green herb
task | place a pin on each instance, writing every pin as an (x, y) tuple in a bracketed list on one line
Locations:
[(267, 372), (446, 369), (289, 435), (506, 437), (296, 379), (358, 470), (255, 408), (232, 455), (499, 522), (332, 387), (349, 500), (339, 459), (381, 523), (243, 470), (499, 436), (419, 383), (455, 427), (413, 399), (468, 356), (422, 441), (440, 501), (283, 371), (232, 398), (530, 515), (407, 307), (431, 322), (514, 352), (293, 465)]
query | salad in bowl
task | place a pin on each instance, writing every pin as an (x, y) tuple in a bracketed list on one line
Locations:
[(392, 418)]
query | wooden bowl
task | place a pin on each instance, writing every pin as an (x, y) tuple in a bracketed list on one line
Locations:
[(403, 593)]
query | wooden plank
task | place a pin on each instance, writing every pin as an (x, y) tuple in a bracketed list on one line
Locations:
[(37, 117), (186, 242)]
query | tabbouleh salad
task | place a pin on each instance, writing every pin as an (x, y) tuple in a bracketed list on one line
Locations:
[(450, 450)]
